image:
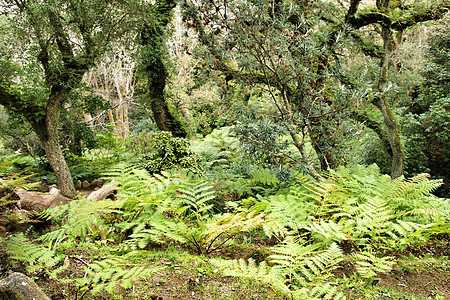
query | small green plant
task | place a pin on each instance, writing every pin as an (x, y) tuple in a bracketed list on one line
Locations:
[(368, 213), (56, 259), (167, 152), (11, 182)]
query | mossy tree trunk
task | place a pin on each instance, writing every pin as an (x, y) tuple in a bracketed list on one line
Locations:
[(154, 52), (65, 39), (388, 21), (381, 101)]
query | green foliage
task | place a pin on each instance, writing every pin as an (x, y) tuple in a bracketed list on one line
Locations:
[(369, 265), (108, 273), (217, 148), (141, 142), (145, 125), (426, 120), (12, 182), (354, 214), (80, 219), (17, 134), (259, 136), (15, 173), (36, 256), (181, 212), (299, 271), (404, 196), (168, 152), (356, 209), (102, 275)]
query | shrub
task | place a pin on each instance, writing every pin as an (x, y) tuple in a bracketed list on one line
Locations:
[(168, 152)]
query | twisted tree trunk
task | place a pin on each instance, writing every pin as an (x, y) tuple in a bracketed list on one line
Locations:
[(47, 132)]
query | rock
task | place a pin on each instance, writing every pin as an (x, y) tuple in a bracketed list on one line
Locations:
[(97, 182), (20, 287), (37, 202), (104, 192), (85, 184), (79, 184)]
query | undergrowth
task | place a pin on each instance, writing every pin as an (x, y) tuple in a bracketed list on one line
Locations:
[(356, 216)]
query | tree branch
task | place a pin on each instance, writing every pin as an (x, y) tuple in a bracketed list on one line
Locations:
[(397, 23), (16, 104)]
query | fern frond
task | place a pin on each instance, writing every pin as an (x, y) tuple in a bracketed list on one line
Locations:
[(36, 255), (160, 230), (291, 210), (374, 214), (330, 231), (305, 265), (299, 271), (369, 265), (325, 198), (232, 224), (109, 273), (250, 270), (195, 197), (325, 291), (406, 229), (264, 177)]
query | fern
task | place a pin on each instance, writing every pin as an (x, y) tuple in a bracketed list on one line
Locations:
[(326, 231), (229, 226), (78, 219), (404, 196), (37, 256), (369, 265), (156, 228), (195, 198), (183, 213), (250, 270), (8, 184), (108, 273), (264, 177), (325, 291), (102, 275), (297, 271)]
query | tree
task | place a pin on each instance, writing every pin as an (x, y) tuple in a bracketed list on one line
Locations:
[(427, 121), (152, 37), (65, 37), (298, 51), (389, 19), (113, 80), (286, 49)]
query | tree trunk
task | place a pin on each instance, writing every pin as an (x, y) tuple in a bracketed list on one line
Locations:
[(156, 83), (154, 50), (58, 163), (47, 131), (383, 104)]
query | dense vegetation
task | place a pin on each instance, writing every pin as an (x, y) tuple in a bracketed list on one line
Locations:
[(303, 145)]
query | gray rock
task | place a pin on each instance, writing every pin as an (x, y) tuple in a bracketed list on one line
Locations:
[(97, 182), (20, 287)]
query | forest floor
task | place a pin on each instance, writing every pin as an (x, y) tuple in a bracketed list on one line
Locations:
[(422, 273)]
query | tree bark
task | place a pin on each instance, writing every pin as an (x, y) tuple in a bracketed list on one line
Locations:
[(382, 103), (153, 42), (46, 129), (47, 132)]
